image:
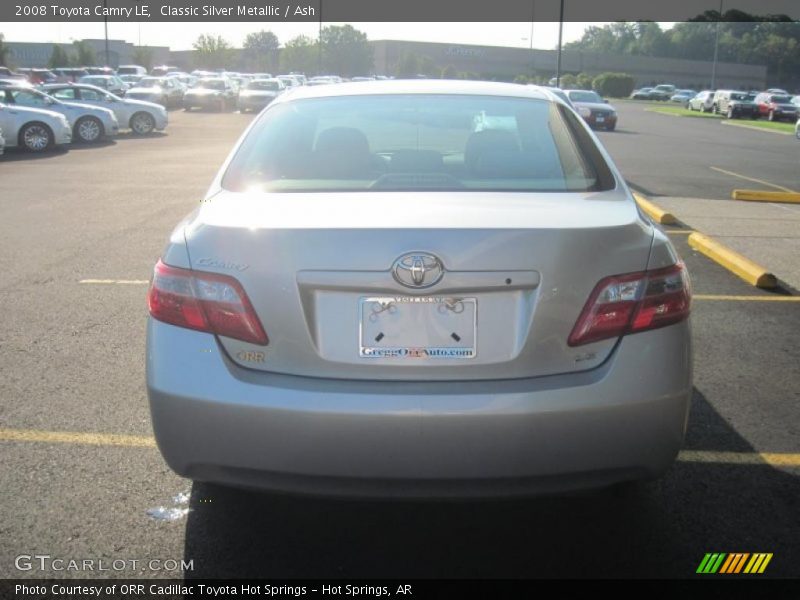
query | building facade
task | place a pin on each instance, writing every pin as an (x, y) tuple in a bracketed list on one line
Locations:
[(36, 54), (507, 63)]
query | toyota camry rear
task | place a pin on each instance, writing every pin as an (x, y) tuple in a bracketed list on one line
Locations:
[(418, 288)]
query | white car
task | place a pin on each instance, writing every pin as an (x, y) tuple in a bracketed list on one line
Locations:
[(137, 115), (33, 129), (258, 93), (704, 101), (89, 123)]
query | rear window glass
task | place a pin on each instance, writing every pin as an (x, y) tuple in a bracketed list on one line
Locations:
[(210, 84), (264, 85), (418, 141)]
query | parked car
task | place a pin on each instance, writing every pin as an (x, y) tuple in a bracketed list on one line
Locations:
[(776, 107), (258, 93), (558, 92), (89, 124), (162, 70), (663, 92), (734, 104), (683, 96), (780, 91), (38, 76), (797, 129), (161, 90), (211, 92), (100, 70), (300, 339), (594, 110), (703, 102), (131, 80), (110, 83), (131, 70), (645, 93), (73, 75), (33, 129), (290, 81), (15, 83), (140, 117), (796, 100)]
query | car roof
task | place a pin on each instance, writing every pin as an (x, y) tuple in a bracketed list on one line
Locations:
[(416, 86)]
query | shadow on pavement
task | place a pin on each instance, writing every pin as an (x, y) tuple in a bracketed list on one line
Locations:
[(658, 529)]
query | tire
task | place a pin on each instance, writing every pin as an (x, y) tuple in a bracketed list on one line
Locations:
[(88, 130), (36, 137), (142, 123)]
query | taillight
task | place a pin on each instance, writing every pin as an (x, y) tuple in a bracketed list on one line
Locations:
[(204, 301), (634, 302)]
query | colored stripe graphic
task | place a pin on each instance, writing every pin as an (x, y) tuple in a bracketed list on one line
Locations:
[(734, 563), (711, 562)]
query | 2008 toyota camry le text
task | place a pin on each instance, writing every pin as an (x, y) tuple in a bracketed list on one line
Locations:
[(419, 288)]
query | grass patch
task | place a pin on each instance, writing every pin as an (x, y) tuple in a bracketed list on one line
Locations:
[(771, 125), (679, 111)]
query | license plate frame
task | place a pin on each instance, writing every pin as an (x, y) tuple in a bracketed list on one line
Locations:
[(394, 318)]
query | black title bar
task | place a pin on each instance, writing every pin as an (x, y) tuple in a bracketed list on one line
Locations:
[(387, 10)]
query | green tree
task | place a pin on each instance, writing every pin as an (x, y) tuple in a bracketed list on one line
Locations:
[(583, 81), (616, 85), (143, 56), (449, 72), (568, 81), (5, 52), (261, 49), (300, 54), (346, 51), (212, 51), (407, 66), (84, 54), (58, 58)]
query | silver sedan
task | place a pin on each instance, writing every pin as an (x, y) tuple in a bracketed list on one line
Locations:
[(384, 294)]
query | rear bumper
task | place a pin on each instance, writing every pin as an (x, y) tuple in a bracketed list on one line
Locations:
[(218, 422)]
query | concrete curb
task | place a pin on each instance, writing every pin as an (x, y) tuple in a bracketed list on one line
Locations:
[(762, 196), (751, 272), (659, 215)]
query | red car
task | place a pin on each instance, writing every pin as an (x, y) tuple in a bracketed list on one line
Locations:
[(776, 107)]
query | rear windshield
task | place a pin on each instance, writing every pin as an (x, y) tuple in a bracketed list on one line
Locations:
[(781, 99), (421, 142), (585, 97), (151, 82), (264, 85), (210, 84)]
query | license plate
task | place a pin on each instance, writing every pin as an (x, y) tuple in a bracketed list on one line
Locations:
[(600, 119), (414, 327)]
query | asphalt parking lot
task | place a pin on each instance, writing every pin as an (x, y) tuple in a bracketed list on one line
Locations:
[(80, 233)]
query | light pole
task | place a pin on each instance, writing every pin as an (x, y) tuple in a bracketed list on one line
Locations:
[(105, 27), (560, 34), (716, 50)]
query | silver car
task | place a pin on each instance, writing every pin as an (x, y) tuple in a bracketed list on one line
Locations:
[(380, 295), (139, 116), (33, 129), (258, 93), (89, 124)]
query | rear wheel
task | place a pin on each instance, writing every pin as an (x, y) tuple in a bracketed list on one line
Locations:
[(142, 123), (88, 130), (36, 137)]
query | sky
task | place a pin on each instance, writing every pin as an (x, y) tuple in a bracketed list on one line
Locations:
[(545, 35)]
